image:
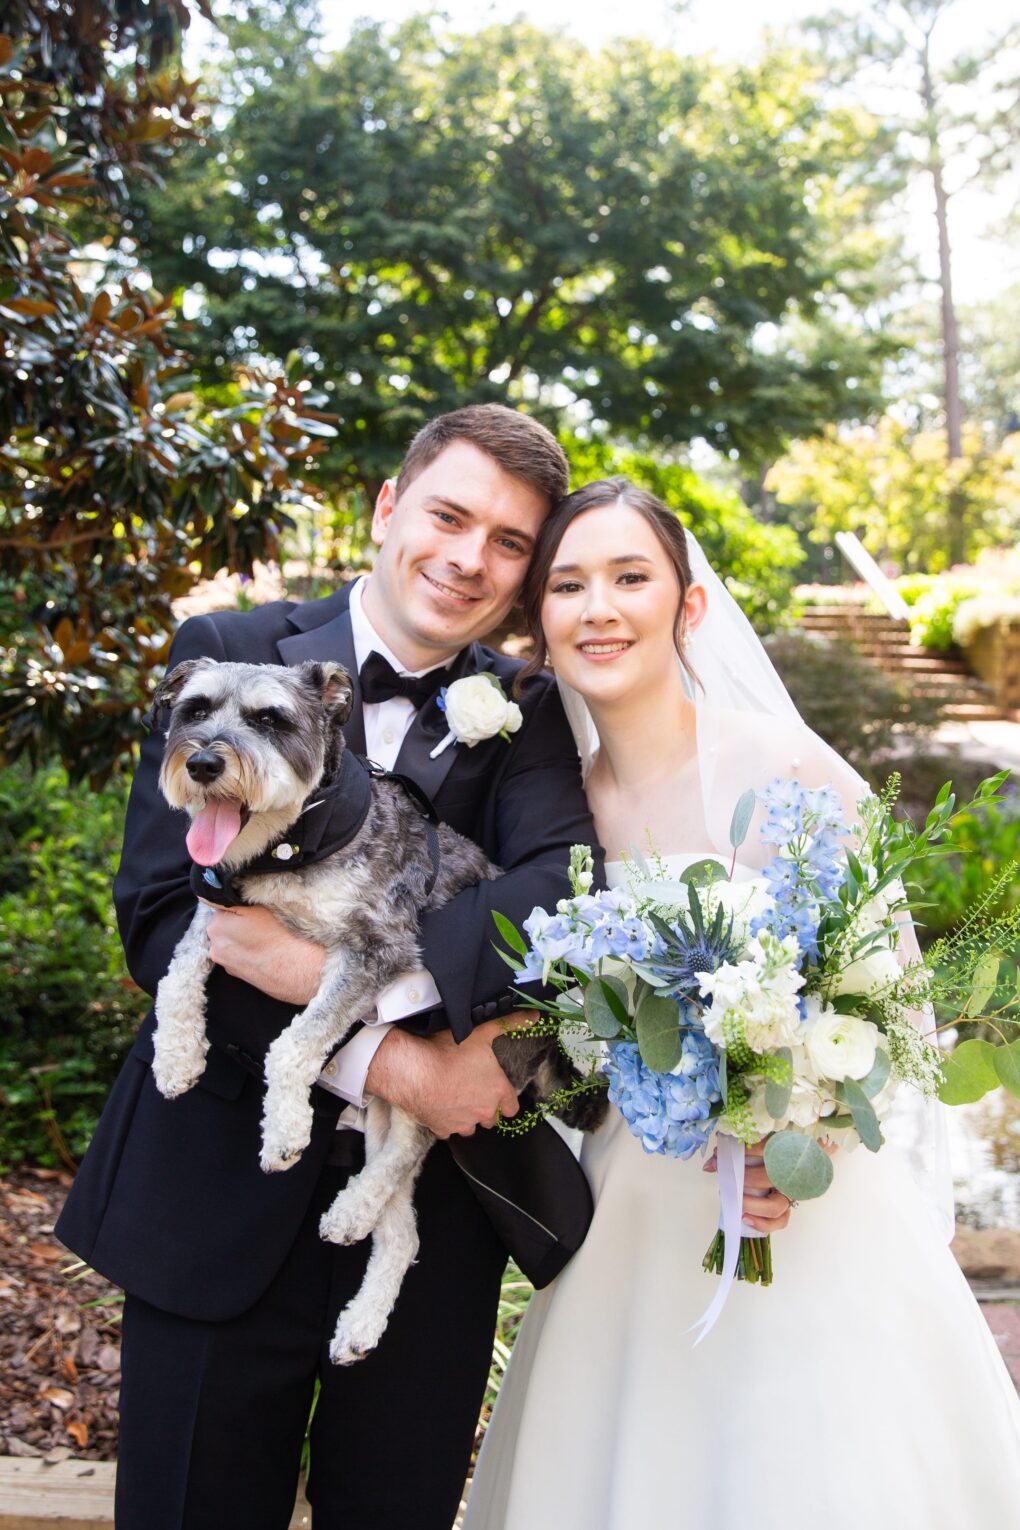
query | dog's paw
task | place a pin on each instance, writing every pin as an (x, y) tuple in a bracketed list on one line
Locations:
[(177, 1075), (345, 1223), (286, 1129), (278, 1156), (353, 1340)]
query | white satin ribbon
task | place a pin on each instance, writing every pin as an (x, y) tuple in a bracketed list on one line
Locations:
[(729, 1156)]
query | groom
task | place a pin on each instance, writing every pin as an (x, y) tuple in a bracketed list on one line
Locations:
[(231, 1295)]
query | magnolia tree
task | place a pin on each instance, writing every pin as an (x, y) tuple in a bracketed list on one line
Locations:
[(119, 484)]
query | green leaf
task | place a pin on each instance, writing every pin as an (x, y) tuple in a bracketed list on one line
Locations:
[(777, 1096), (724, 1079), (1007, 1067), (875, 1081), (864, 1115), (986, 975), (599, 1011), (510, 933), (968, 1072), (704, 873), (850, 1003), (742, 815), (657, 1021), (797, 1166)]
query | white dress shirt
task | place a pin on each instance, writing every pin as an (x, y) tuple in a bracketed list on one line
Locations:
[(386, 723)]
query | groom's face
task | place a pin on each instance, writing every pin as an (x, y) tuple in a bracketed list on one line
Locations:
[(454, 550)]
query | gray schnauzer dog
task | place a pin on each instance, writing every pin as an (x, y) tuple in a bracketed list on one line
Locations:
[(251, 748)]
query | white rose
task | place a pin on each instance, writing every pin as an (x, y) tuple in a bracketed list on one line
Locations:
[(477, 709), (839, 1046)]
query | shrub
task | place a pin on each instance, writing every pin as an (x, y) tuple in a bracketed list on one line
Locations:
[(865, 714), (67, 1007), (987, 842)]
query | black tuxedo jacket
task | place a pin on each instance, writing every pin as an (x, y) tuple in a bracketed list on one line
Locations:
[(170, 1202)]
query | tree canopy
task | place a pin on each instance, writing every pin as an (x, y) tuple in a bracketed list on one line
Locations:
[(646, 245)]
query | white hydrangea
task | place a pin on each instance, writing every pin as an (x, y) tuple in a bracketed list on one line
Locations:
[(972, 616)]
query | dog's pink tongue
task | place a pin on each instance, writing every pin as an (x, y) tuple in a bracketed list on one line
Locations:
[(213, 831)]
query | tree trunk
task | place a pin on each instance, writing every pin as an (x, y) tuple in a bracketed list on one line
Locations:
[(956, 504)]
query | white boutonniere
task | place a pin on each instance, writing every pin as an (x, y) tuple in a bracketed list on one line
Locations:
[(476, 708)]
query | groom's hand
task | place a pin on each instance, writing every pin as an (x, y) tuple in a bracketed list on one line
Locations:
[(252, 944), (451, 1088)]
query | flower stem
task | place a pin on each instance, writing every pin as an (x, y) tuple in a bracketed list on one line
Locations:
[(754, 1262)]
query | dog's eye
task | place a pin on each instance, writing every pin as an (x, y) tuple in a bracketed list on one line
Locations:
[(269, 717), (196, 711)]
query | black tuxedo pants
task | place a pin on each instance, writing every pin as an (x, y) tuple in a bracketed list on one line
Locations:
[(213, 1414)]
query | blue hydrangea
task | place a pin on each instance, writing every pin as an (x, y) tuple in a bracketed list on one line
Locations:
[(669, 1113)]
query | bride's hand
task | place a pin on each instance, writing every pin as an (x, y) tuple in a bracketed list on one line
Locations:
[(765, 1208)]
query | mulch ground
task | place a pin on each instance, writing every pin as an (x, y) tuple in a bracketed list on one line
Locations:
[(59, 1353), (60, 1336)]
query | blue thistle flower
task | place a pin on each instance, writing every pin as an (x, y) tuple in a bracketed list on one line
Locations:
[(690, 946)]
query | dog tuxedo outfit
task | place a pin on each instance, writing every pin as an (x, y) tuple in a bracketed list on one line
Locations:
[(231, 1294)]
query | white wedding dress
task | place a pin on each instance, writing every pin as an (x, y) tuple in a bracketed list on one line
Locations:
[(862, 1389)]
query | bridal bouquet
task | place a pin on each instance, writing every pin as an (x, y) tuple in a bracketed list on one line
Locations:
[(782, 1007)]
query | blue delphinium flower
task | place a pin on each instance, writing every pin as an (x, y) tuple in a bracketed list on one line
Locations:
[(669, 1113), (806, 826)]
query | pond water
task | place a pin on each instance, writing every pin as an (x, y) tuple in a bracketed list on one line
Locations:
[(984, 1141)]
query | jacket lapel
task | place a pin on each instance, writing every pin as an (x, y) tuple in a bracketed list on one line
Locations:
[(329, 639)]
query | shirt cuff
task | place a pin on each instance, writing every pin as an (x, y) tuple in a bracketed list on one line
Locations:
[(408, 994), (347, 1070)]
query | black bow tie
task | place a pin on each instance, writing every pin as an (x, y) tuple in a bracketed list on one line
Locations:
[(379, 681)]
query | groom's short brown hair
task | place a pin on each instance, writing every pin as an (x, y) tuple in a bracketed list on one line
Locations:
[(518, 444)]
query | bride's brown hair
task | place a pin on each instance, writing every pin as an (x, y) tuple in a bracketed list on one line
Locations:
[(604, 491)]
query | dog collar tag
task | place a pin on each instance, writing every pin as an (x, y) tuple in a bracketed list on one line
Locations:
[(208, 875)]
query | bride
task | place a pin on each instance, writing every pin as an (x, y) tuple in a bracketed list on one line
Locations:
[(863, 1386)]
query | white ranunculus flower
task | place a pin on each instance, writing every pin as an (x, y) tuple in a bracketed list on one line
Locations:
[(872, 972), (840, 1046), (477, 709)]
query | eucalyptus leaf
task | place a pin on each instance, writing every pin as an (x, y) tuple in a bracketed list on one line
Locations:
[(598, 1012), (968, 1072), (864, 1115), (797, 1166), (704, 873), (875, 1081), (742, 815), (777, 1096), (657, 1021), (724, 1080), (1007, 1067), (986, 975)]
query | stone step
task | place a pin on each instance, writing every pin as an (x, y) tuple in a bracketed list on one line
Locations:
[(73, 1494)]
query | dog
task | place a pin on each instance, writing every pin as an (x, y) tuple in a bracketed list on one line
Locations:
[(252, 750)]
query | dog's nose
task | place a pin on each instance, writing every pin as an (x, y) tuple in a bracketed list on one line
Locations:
[(204, 766)]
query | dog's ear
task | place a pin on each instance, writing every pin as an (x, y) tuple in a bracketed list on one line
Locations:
[(334, 687), (172, 683)]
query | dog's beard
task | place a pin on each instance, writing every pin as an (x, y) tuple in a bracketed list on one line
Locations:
[(247, 790)]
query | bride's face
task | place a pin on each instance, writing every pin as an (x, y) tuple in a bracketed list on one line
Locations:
[(610, 605)]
